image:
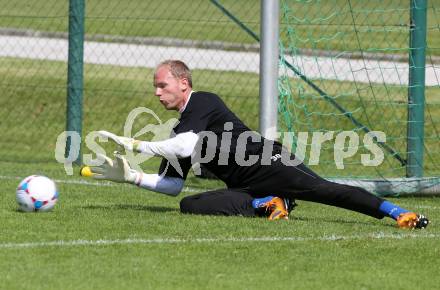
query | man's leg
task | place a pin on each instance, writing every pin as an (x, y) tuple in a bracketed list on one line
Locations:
[(219, 202), (344, 196), (299, 182), (235, 202), (360, 200)]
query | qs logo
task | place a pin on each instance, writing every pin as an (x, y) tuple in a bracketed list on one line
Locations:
[(159, 131)]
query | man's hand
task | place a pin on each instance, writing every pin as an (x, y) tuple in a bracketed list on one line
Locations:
[(129, 144), (117, 170)]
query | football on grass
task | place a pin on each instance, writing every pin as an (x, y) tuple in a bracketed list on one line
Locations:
[(36, 193)]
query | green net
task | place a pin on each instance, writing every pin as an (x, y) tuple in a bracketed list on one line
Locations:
[(344, 73)]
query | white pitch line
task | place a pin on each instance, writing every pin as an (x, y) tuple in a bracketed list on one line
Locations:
[(92, 183), (185, 189), (73, 243), (424, 206), (409, 206)]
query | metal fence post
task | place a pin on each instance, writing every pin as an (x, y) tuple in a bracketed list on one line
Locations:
[(75, 73), (416, 89), (269, 53)]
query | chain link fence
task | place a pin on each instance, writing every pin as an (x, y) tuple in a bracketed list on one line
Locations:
[(124, 41)]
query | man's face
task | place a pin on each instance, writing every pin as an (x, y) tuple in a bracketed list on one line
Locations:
[(171, 91)]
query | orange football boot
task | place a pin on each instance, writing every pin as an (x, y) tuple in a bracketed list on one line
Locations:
[(411, 220), (277, 208)]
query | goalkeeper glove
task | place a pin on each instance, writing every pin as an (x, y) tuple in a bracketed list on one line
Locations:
[(129, 144), (117, 170)]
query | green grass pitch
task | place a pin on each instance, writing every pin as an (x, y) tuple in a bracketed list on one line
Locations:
[(120, 237), (111, 236)]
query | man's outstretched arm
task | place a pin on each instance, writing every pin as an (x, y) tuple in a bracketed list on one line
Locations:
[(118, 170), (180, 146)]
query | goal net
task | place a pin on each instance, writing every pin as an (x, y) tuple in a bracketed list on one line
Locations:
[(345, 90)]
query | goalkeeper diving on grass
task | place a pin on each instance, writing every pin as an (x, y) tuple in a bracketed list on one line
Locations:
[(259, 182)]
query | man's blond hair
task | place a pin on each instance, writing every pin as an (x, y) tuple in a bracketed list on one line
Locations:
[(178, 69)]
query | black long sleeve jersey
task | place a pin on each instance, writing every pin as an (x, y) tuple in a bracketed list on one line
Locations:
[(220, 147)]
